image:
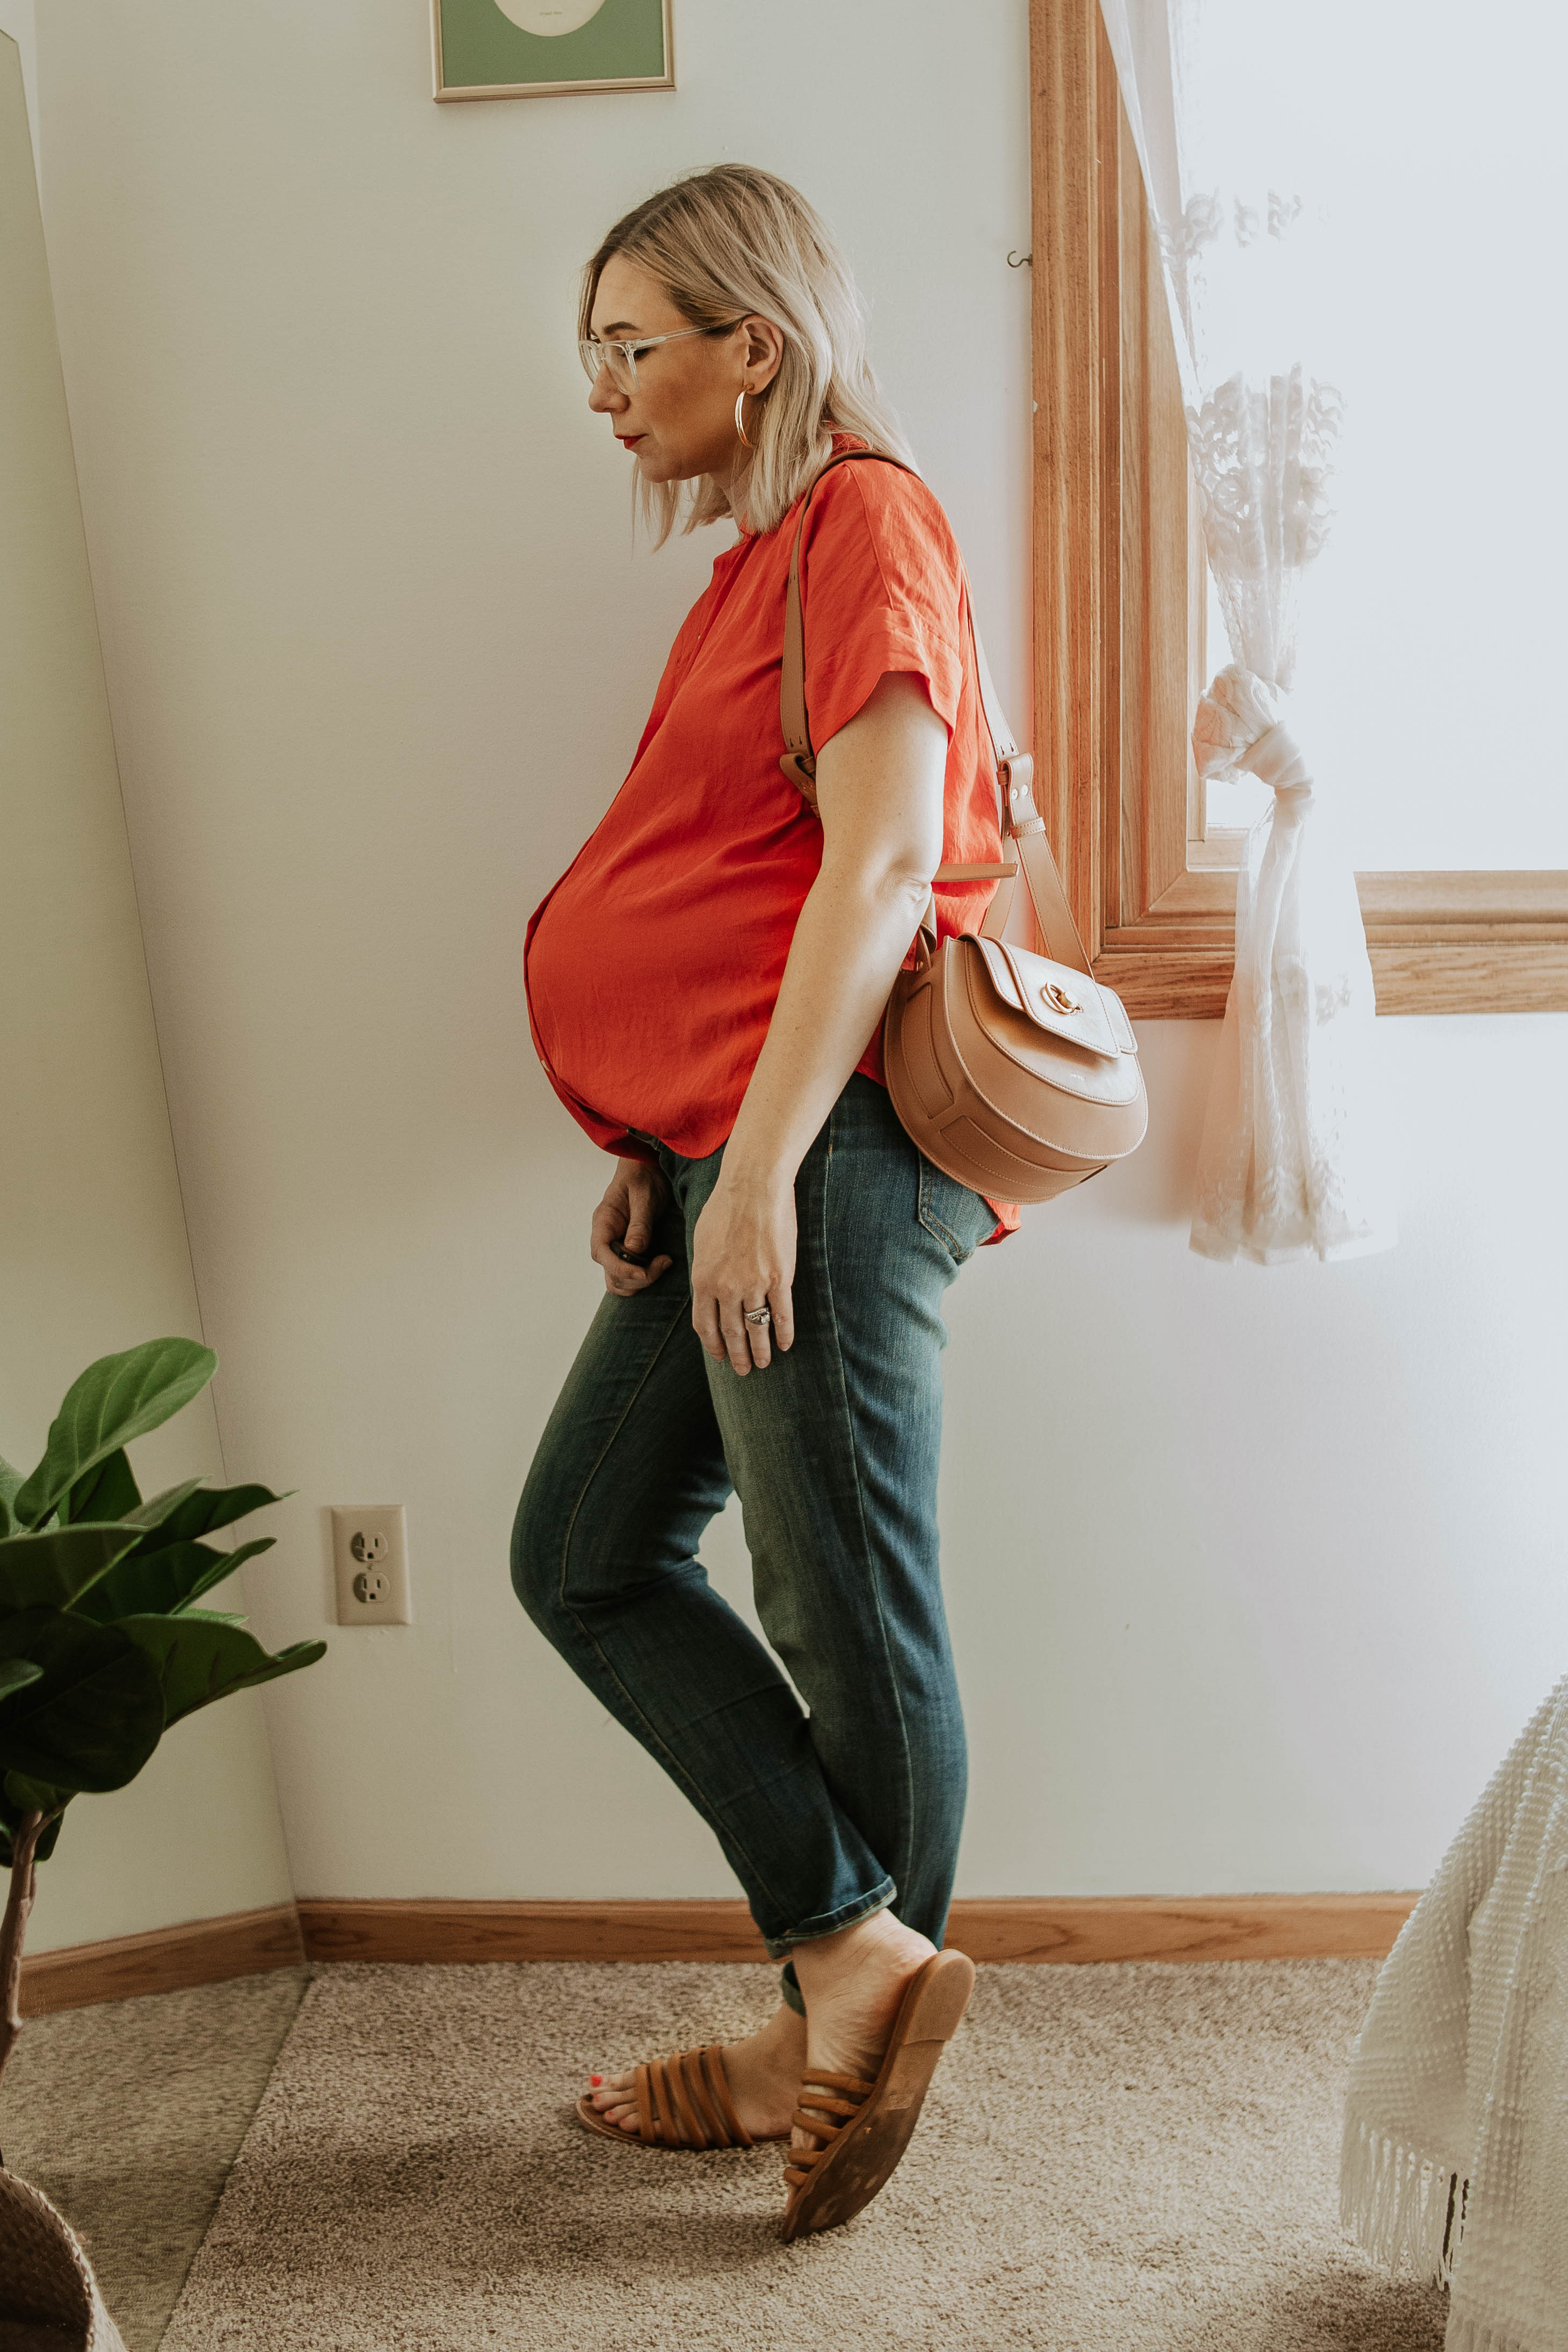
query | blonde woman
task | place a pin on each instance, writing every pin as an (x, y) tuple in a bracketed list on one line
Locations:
[(706, 984)]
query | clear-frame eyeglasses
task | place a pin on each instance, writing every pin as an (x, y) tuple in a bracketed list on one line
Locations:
[(620, 360)]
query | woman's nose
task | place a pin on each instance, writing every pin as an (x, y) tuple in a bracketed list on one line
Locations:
[(604, 397)]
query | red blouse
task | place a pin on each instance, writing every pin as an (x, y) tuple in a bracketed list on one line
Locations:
[(653, 966)]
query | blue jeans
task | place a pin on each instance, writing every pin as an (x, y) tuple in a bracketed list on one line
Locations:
[(828, 1816)]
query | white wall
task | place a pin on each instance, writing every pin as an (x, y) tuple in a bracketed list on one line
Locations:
[(1254, 1574), (93, 1253)]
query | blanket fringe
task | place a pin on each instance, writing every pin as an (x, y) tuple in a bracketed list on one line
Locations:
[(1402, 2207), (1466, 2333)]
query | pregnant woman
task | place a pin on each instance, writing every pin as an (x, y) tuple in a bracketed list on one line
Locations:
[(707, 984)]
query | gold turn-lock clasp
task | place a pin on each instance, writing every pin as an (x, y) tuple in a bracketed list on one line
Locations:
[(1058, 998)]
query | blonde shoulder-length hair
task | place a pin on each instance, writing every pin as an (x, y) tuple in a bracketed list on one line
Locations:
[(733, 242)]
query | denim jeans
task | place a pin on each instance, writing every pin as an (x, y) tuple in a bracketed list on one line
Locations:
[(825, 1816)]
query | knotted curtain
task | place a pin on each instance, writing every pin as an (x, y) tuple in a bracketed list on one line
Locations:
[(1291, 1162)]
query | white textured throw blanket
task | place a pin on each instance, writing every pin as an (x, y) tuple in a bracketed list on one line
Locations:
[(1456, 2154)]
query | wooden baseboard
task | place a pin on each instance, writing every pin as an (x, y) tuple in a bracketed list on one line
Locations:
[(1073, 1929), (1082, 1929), (166, 1959), (437, 1930)]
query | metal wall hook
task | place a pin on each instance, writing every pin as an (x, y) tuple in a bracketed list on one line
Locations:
[(1019, 260)]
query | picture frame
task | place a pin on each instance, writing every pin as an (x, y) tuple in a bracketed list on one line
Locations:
[(549, 48)]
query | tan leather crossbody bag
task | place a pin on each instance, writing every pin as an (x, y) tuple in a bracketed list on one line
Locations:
[(1016, 1072)]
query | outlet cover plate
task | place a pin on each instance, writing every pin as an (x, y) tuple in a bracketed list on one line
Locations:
[(370, 1561)]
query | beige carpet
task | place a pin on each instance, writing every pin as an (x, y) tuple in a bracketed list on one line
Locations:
[(1113, 2159), (129, 2116)]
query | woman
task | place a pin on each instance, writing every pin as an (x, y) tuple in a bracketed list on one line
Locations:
[(706, 985)]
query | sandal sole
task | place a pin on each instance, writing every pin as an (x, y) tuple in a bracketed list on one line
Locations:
[(588, 2113), (867, 2151)]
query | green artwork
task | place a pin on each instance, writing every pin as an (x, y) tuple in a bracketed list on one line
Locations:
[(537, 44)]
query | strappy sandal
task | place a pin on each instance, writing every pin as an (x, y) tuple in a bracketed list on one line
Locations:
[(859, 2151), (682, 2102)]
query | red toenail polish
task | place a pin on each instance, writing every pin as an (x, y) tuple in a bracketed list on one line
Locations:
[(595, 2081)]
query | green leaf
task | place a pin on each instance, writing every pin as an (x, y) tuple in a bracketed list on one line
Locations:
[(112, 1489), (115, 1399), (94, 1716), (15, 1674), (19, 1795), (208, 1509), (10, 1484), (160, 1583), (202, 1658), (52, 1569), (153, 1516), (35, 1796), (107, 1492)]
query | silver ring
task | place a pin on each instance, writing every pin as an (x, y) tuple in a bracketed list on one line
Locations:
[(757, 1314)]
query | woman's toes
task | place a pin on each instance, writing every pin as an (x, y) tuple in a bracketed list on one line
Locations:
[(615, 2097)]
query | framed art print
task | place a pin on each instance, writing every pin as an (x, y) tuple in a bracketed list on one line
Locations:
[(540, 48)]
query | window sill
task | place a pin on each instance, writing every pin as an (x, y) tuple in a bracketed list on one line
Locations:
[(1439, 943)]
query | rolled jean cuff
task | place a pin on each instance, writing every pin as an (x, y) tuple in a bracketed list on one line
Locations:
[(848, 1915)]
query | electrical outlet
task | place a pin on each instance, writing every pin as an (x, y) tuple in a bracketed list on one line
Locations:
[(370, 1556)]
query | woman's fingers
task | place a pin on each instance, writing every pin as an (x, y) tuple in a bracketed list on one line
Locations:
[(724, 1327), (733, 1330), (625, 1281), (759, 1337), (721, 1326), (638, 1233), (604, 1246), (780, 1298), (605, 1232), (705, 1323)]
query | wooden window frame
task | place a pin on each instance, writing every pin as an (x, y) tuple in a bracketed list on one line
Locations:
[(1119, 590)]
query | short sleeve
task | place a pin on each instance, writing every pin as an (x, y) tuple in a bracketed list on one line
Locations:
[(880, 590)]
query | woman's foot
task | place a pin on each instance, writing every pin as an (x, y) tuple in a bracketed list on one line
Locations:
[(854, 1983), (763, 2072)]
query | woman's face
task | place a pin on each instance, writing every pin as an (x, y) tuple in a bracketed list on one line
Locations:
[(679, 422)]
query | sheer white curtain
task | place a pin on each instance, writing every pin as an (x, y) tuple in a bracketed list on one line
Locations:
[(1291, 1163)]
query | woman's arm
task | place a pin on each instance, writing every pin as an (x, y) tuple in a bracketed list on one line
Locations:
[(879, 796)]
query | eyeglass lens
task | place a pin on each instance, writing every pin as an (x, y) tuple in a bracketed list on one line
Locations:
[(618, 363)]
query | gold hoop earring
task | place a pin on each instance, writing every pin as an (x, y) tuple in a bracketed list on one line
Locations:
[(740, 419)]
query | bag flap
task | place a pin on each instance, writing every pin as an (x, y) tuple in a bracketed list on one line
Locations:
[(1053, 995), (1116, 1012)]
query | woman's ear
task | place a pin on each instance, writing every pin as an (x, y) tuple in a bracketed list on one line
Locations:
[(764, 354)]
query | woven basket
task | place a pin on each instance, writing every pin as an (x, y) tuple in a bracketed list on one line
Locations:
[(48, 2297)]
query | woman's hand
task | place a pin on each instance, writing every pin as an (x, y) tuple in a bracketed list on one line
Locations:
[(637, 1197), (742, 1256)]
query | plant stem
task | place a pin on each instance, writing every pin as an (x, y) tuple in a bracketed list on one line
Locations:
[(13, 1932)]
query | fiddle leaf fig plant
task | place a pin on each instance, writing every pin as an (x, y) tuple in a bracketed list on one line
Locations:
[(103, 1645)]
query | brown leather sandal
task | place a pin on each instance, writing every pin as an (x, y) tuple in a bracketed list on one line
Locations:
[(860, 2151), (682, 2102)]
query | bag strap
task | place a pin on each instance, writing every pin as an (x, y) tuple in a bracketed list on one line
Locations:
[(1021, 821)]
